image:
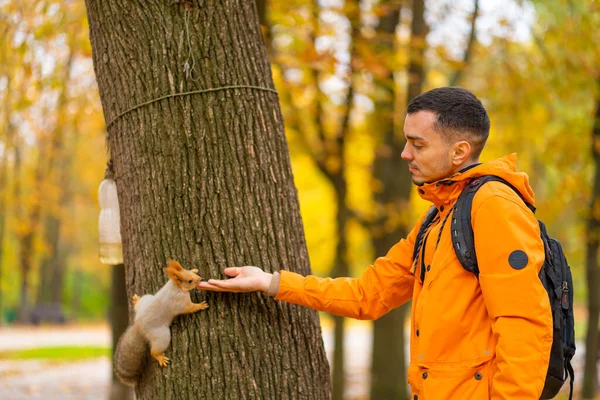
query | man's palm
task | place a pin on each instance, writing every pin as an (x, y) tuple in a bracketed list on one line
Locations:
[(244, 279)]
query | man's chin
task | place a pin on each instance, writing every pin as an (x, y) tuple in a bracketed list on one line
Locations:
[(418, 182)]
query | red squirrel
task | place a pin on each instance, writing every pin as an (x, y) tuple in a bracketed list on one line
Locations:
[(153, 317)]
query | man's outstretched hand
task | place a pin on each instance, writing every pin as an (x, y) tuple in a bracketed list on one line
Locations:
[(244, 279)]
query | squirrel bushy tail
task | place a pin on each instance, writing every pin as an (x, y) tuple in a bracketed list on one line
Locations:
[(130, 356)]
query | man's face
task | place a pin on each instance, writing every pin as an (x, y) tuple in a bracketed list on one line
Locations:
[(428, 154)]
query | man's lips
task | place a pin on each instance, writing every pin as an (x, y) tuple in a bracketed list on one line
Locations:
[(412, 169)]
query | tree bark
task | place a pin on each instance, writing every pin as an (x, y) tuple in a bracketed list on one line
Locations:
[(205, 178), (590, 374)]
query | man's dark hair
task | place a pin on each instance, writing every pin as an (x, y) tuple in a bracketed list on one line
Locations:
[(459, 115)]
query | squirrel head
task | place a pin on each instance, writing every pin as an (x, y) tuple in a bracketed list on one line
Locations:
[(184, 279)]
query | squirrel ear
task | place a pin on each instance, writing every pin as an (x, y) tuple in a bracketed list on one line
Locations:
[(171, 272), (174, 264)]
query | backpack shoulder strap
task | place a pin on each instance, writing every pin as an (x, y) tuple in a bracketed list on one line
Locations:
[(427, 221), (462, 230)]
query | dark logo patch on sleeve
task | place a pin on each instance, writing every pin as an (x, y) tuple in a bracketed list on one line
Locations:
[(518, 259)]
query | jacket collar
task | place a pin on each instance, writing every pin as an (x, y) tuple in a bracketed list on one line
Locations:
[(447, 190)]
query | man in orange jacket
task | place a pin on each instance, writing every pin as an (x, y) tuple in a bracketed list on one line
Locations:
[(485, 337)]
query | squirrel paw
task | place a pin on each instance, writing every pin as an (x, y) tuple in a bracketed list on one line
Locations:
[(202, 306), (162, 360), (134, 299)]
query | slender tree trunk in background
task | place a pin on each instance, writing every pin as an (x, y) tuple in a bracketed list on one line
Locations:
[(337, 177), (77, 289), (27, 237), (418, 45), (388, 331), (50, 281), (119, 320), (26, 263), (340, 269), (206, 179), (458, 74), (392, 172), (590, 377), (329, 147), (3, 209), (57, 274), (3, 191), (8, 146), (51, 232)]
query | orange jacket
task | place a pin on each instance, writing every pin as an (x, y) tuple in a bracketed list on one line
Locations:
[(486, 338)]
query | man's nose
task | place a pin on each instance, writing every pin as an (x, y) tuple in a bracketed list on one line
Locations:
[(406, 155)]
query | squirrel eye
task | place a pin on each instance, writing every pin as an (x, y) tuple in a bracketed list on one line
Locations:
[(190, 281)]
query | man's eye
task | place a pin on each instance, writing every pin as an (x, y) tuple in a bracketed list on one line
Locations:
[(417, 147)]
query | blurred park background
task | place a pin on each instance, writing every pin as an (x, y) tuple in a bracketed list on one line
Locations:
[(344, 71)]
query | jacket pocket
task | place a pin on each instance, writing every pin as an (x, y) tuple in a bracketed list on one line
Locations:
[(455, 383)]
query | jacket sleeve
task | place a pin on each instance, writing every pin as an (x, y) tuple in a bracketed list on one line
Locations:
[(386, 284), (510, 254)]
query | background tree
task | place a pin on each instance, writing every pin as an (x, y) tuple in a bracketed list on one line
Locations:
[(393, 195), (205, 178), (590, 379), (324, 134)]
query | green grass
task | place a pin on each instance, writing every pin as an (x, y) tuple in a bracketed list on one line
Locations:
[(56, 353)]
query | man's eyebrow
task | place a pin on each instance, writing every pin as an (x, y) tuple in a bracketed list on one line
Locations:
[(411, 137)]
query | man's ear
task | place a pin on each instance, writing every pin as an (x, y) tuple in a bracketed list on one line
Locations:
[(462, 152)]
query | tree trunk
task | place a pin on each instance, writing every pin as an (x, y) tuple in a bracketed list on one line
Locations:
[(4, 187), (330, 147), (458, 74), (77, 289), (205, 178), (3, 192), (590, 375), (50, 287), (340, 186), (392, 172), (3, 207), (388, 368), (119, 319), (51, 233), (388, 331), (261, 8), (27, 236), (340, 269)]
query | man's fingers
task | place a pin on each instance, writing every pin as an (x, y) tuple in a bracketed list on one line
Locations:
[(230, 285), (214, 285), (232, 271), (208, 286)]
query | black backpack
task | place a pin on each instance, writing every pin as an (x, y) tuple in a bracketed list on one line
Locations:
[(555, 276)]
